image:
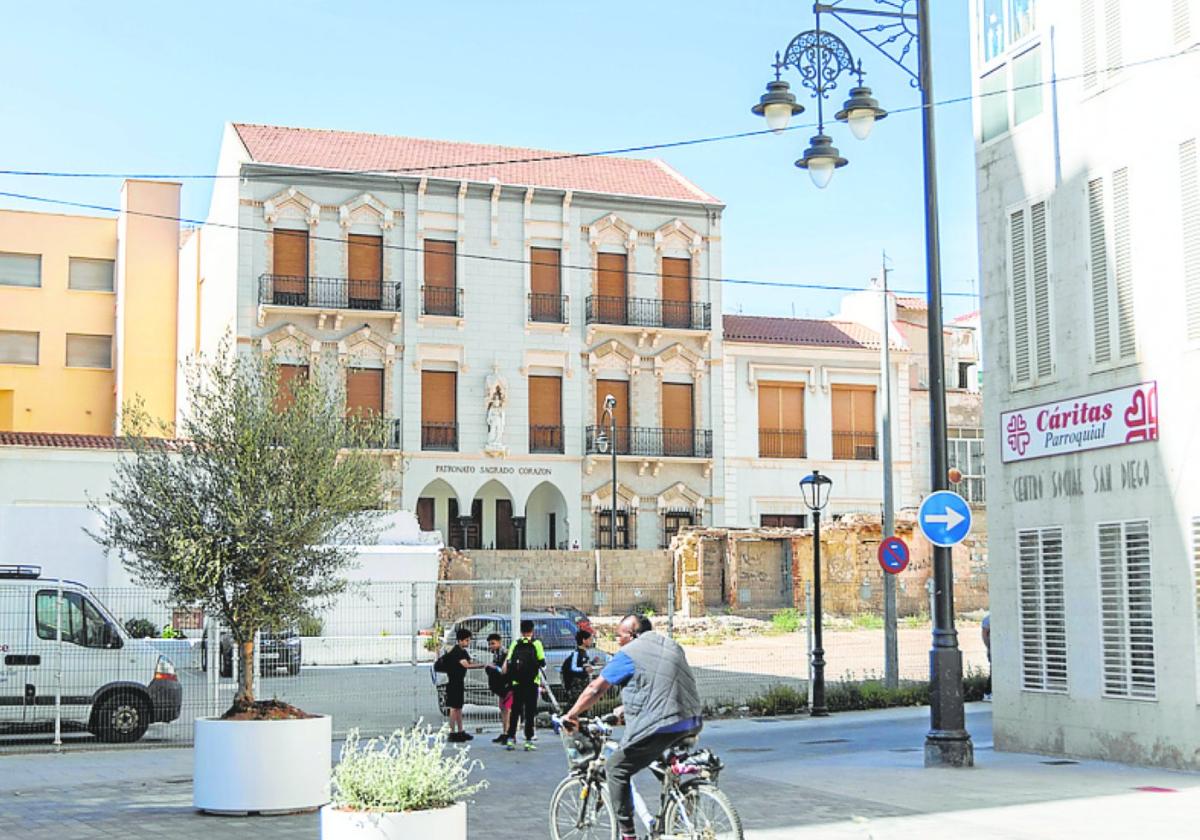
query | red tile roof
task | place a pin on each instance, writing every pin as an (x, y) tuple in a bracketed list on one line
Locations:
[(803, 331), (360, 152), (912, 303)]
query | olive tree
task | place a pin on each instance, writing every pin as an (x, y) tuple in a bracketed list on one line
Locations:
[(249, 510)]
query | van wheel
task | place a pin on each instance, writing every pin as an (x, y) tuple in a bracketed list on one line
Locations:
[(120, 719)]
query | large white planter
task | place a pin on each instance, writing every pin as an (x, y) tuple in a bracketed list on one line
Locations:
[(441, 824), (262, 766)]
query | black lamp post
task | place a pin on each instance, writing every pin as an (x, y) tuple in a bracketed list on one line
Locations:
[(609, 444), (900, 30), (815, 489)]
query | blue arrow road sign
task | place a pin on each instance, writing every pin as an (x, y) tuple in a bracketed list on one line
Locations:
[(945, 518)]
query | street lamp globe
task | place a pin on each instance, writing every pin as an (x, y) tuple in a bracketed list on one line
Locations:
[(861, 111), (815, 489), (821, 158), (778, 105), (602, 443)]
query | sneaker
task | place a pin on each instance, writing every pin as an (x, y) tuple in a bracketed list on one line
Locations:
[(530, 746), (510, 745), (500, 739), (466, 736), (456, 737)]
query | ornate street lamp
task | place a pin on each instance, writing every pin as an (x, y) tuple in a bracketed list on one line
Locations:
[(815, 490), (900, 31)]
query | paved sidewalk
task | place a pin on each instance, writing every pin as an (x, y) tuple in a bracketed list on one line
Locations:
[(854, 775)]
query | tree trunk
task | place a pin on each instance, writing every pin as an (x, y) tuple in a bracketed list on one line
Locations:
[(245, 694)]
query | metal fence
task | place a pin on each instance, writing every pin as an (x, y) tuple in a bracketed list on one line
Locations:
[(366, 660)]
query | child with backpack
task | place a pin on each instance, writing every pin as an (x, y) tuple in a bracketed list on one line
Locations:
[(525, 660), (577, 668), (499, 684), (455, 663)]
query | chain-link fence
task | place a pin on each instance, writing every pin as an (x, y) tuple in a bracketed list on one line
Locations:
[(115, 666)]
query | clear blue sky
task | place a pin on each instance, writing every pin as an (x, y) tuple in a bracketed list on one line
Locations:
[(146, 87)]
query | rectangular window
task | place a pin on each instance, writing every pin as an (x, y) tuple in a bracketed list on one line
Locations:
[(1126, 610), (783, 520), (612, 289), (619, 389), (1027, 85), (439, 410), (1101, 48), (965, 453), (604, 537), (20, 270), (992, 29), (441, 279), (545, 414), (89, 351), (364, 392), (1043, 610), (88, 275), (365, 264), (1110, 262), (781, 420), (676, 292), (993, 104), (18, 348), (426, 507), (545, 285), (290, 377), (1181, 21), (679, 423), (673, 522), (75, 617), (1029, 281), (854, 423), (1189, 209)]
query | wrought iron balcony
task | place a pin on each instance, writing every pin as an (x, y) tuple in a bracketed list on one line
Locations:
[(648, 442), (648, 312), (548, 309), (442, 300), (439, 437), (546, 439), (781, 443), (855, 446), (330, 293)]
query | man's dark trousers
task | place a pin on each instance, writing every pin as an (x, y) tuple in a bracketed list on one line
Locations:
[(524, 707), (626, 762)]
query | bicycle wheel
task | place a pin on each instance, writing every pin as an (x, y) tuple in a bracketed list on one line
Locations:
[(706, 814), (579, 813)]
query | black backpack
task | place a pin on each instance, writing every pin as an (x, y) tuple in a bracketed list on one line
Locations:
[(523, 662), (442, 663), (567, 674)]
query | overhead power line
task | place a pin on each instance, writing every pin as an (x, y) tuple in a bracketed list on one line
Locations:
[(776, 284), (558, 156)]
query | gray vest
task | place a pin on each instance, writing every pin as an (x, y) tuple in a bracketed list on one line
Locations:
[(662, 690)]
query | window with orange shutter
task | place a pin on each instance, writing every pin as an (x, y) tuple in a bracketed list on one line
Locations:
[(610, 305), (441, 282), (678, 420), (677, 293), (545, 285), (290, 377), (854, 436), (545, 414), (289, 250), (619, 388), (439, 410), (780, 420), (366, 271), (364, 392)]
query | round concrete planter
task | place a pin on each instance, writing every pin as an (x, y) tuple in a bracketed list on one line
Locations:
[(262, 766), (442, 823)]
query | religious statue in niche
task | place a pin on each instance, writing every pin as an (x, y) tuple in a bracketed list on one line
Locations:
[(496, 398)]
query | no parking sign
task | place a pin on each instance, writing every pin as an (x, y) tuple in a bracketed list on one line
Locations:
[(893, 555)]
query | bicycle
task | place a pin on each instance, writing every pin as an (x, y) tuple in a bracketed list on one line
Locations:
[(691, 806)]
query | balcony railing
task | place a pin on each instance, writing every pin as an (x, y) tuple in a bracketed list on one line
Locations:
[(546, 439), (651, 442), (855, 446), (441, 300), (330, 292), (439, 437), (648, 312), (548, 309), (781, 443)]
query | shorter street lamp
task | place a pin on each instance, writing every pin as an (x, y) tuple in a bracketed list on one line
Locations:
[(608, 443), (816, 488)]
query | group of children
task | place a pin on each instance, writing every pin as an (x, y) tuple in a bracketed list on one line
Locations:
[(515, 677)]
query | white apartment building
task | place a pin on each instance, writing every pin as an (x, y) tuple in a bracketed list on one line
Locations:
[(486, 300), (1089, 235), (805, 394)]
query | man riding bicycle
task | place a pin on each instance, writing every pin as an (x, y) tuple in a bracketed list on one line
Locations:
[(661, 707)]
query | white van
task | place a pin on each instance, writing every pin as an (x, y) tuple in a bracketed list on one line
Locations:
[(111, 683)]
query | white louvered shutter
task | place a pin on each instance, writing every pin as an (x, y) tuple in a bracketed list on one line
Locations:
[(1196, 588), (1181, 21), (1189, 196), (1089, 45), (1126, 613), (1123, 257), (1041, 288), (1043, 610), (1020, 297), (1098, 249), (1114, 53)]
